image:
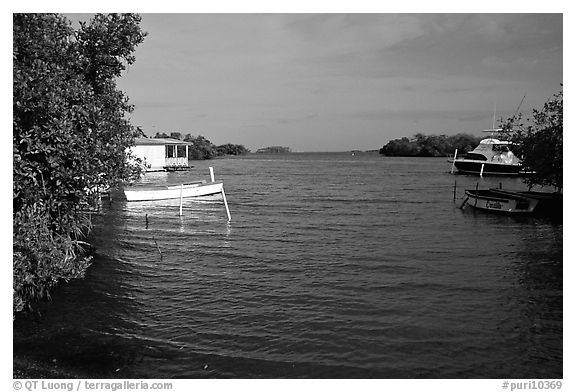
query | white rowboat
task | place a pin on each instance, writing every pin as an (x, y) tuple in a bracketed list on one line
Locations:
[(143, 193), (178, 191)]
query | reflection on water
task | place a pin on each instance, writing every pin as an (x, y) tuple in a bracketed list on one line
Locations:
[(332, 266)]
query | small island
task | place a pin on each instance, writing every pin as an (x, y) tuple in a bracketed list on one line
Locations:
[(273, 150), (421, 145)]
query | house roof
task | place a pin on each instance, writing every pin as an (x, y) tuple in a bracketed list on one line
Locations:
[(148, 141)]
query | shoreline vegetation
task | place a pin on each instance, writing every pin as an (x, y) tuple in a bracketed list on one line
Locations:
[(421, 145), (274, 150), (70, 137), (202, 148)]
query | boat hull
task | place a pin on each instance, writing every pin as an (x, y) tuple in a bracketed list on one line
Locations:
[(470, 166), (549, 204), (506, 202), (173, 192)]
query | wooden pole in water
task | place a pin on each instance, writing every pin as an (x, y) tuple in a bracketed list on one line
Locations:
[(482, 170), (223, 194), (476, 198), (226, 204), (453, 161), (157, 247), (181, 191)]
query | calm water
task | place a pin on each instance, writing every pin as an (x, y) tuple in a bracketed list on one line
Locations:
[(333, 266)]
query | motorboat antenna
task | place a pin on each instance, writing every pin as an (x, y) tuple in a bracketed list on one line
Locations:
[(494, 120), (518, 108)]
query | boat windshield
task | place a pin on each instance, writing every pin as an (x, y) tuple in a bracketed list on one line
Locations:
[(492, 145), (483, 147), (500, 148)]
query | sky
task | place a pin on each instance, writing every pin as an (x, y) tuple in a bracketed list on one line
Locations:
[(338, 82)]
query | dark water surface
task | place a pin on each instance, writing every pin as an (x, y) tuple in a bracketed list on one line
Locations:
[(334, 266)]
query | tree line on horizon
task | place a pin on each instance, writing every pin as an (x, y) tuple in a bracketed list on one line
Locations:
[(274, 150), (421, 145), (202, 148)]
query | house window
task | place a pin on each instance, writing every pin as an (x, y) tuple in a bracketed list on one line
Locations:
[(170, 151), (181, 151)]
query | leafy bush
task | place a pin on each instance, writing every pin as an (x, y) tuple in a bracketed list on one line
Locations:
[(201, 148), (539, 142), (231, 149), (43, 257), (430, 146), (70, 138)]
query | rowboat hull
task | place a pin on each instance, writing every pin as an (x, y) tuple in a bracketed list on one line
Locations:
[(549, 204), (506, 202), (173, 192)]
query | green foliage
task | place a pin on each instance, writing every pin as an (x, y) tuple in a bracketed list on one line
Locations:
[(273, 150), (201, 147), (161, 135), (399, 148), (539, 143), (139, 132), (231, 149), (42, 257), (430, 146), (70, 137)]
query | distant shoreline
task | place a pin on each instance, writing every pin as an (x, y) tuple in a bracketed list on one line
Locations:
[(356, 152), (316, 152)]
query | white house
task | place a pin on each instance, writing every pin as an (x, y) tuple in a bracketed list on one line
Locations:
[(160, 154)]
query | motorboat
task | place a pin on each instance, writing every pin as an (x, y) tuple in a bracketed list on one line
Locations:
[(491, 157)]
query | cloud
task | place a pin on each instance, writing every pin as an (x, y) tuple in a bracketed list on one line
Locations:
[(274, 76), (483, 44)]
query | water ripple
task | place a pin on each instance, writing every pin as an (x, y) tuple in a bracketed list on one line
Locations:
[(331, 267)]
